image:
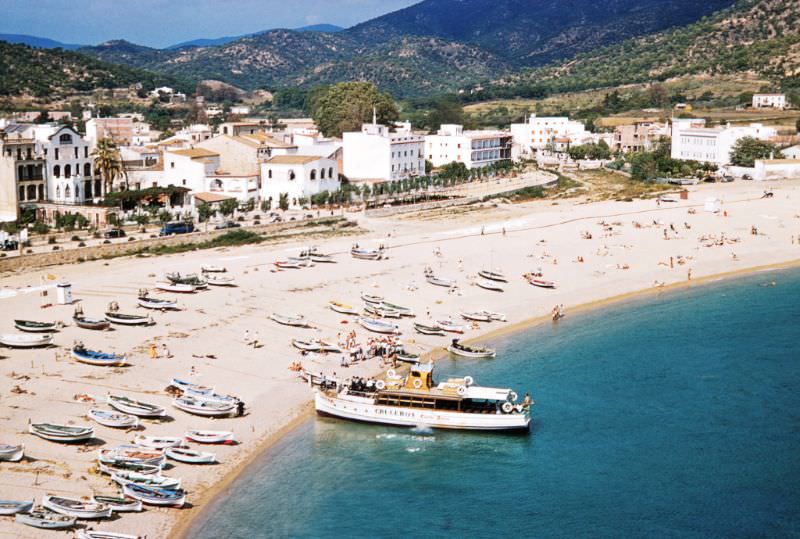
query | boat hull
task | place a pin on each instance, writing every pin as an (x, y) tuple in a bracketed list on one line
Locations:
[(96, 324), (413, 417), (12, 453), (488, 354)]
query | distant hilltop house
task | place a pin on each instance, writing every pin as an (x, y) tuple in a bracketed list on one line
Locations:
[(692, 140), (769, 101)]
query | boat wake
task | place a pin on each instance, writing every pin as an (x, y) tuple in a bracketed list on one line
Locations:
[(422, 429)]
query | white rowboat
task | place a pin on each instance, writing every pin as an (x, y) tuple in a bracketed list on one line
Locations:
[(203, 408), (45, 519), (11, 507), (296, 320), (210, 436), (115, 420), (190, 456), (25, 340), (134, 407), (158, 442), (73, 507), (158, 304), (378, 326), (179, 288), (341, 308), (61, 433), (119, 505), (11, 453)]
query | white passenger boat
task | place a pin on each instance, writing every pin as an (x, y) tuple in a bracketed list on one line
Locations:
[(342, 308), (25, 340), (211, 436), (135, 407), (490, 285), (115, 420), (195, 406), (158, 442), (45, 519), (157, 303), (296, 320), (61, 433), (417, 401), (12, 453), (180, 288), (190, 456), (474, 352), (495, 275), (378, 326), (73, 507)]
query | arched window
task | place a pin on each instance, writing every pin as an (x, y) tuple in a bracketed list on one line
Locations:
[(41, 192), (322, 174), (330, 173), (269, 174), (67, 171), (21, 172), (313, 175), (67, 192), (21, 193), (57, 171), (87, 170), (31, 192), (65, 139), (291, 175)]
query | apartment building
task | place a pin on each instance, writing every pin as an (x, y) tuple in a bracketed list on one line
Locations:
[(376, 154), (473, 148)]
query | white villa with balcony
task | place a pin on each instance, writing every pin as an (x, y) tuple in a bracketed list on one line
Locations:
[(473, 148), (69, 166), (299, 176)]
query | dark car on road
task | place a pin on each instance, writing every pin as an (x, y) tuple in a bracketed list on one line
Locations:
[(178, 227), (9, 245), (227, 224), (114, 233)]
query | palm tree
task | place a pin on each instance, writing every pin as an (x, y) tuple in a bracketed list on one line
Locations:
[(108, 162)]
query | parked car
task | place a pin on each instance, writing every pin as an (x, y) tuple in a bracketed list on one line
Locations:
[(178, 227), (114, 233), (727, 178), (227, 224), (10, 245)]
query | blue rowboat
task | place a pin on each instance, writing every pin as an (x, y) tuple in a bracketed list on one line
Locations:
[(92, 357)]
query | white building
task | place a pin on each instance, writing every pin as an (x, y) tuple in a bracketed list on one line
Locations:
[(540, 133), (69, 165), (300, 176), (792, 152), (473, 148), (769, 101), (691, 140), (200, 170), (376, 154)]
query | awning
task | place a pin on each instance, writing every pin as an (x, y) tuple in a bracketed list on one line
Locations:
[(210, 198)]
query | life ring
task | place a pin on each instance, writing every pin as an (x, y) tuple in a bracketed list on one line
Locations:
[(391, 374), (462, 390), (417, 383), (468, 381), (380, 384), (513, 396), (507, 407)]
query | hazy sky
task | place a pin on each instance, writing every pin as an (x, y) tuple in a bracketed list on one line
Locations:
[(160, 23)]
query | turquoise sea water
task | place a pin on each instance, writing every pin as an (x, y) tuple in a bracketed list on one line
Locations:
[(676, 416)]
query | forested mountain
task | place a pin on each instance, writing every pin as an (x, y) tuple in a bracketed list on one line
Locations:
[(38, 42)]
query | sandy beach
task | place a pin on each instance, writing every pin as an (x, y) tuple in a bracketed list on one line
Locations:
[(594, 252)]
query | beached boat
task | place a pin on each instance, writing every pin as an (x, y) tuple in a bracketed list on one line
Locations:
[(210, 436), (11, 452), (134, 407), (220, 280), (449, 325), (490, 285), (129, 319), (155, 496), (296, 320), (378, 326), (61, 433), (191, 279), (476, 316), (495, 316), (366, 254), (315, 345), (380, 311), (406, 356), (183, 385), (97, 324), (209, 396), (455, 403), (292, 264), (320, 258), (96, 534), (428, 329), (195, 406), (30, 326), (495, 275), (45, 519), (115, 466), (73, 507), (11, 507), (119, 504), (371, 298), (116, 420), (158, 481), (25, 340), (404, 311), (208, 268), (475, 352), (541, 283), (92, 357), (342, 308), (131, 454), (440, 281), (190, 456), (158, 304), (158, 442), (180, 288)]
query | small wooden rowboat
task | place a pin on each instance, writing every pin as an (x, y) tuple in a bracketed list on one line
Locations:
[(91, 323), (380, 311), (158, 442), (45, 519), (30, 326), (292, 264), (366, 254), (315, 345), (475, 352), (190, 456), (115, 420), (134, 407), (407, 357), (25, 340), (129, 319), (211, 436), (95, 534), (92, 357), (119, 505), (428, 329), (449, 325), (158, 304), (342, 308), (61, 433), (180, 288), (199, 407), (12, 453), (126, 466), (11, 507), (191, 279), (541, 283), (219, 280), (493, 276), (320, 258), (155, 496), (404, 311), (183, 385), (296, 320), (477, 316), (490, 285), (73, 507), (130, 454), (207, 268), (440, 281), (378, 326), (159, 481), (371, 298)]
